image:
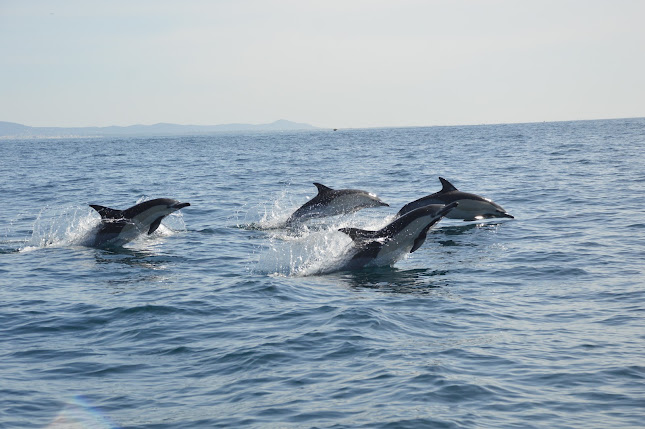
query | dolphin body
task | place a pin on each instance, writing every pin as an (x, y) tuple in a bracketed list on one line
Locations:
[(471, 206), (404, 235), (330, 202), (118, 227)]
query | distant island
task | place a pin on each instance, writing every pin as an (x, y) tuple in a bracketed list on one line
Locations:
[(14, 130)]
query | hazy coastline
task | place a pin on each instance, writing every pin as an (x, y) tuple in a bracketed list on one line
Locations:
[(9, 130)]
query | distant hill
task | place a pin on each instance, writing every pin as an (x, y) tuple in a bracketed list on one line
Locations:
[(11, 129)]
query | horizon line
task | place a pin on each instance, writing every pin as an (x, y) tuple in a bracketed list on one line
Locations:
[(329, 127)]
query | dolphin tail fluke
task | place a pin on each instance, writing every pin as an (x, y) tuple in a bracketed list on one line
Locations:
[(447, 186), (359, 235), (107, 213)]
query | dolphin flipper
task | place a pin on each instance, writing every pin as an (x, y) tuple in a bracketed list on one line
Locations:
[(421, 238), (154, 225)]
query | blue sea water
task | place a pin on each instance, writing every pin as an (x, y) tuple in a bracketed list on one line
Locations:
[(223, 319)]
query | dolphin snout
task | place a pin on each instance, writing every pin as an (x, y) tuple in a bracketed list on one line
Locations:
[(447, 208), (452, 205), (180, 205)]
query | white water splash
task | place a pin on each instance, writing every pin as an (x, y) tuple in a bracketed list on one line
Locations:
[(274, 214), (315, 247), (62, 226)]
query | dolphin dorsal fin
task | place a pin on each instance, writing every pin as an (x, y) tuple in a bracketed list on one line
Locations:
[(107, 213), (447, 186), (322, 188)]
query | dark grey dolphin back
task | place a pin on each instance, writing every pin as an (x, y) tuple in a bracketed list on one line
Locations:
[(129, 213), (141, 207)]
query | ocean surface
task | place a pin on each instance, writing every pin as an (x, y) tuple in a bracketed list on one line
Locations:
[(222, 318)]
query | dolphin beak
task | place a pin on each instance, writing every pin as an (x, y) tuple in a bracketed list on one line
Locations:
[(447, 208), (180, 205), (508, 215)]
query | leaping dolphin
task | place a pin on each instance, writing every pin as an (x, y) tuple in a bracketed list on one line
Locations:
[(118, 227), (471, 206), (404, 235), (330, 202)]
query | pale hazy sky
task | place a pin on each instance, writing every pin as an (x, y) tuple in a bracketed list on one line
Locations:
[(330, 63)]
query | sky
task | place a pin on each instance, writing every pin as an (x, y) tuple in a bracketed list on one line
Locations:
[(329, 63)]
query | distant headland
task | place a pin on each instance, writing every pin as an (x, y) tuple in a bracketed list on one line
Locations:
[(14, 130)]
